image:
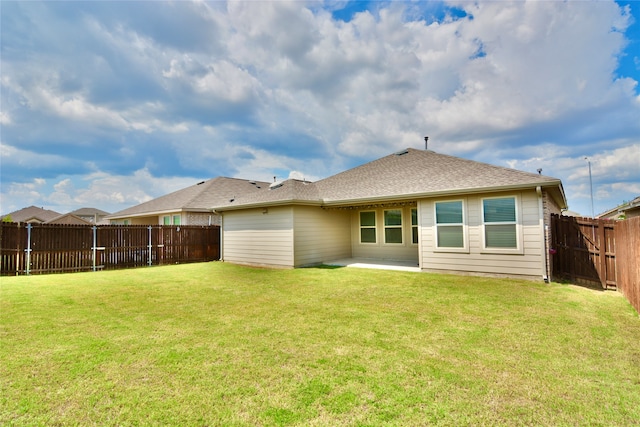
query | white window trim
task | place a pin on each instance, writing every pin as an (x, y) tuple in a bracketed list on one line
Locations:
[(412, 226), (465, 228), (519, 249), (401, 227), (374, 226), (173, 219)]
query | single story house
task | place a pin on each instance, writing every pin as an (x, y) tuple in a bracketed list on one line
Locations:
[(438, 212), (624, 211), (189, 206), (31, 214), (91, 215), (69, 219)]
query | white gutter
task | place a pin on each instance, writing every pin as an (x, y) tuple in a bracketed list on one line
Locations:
[(403, 197), (270, 204)]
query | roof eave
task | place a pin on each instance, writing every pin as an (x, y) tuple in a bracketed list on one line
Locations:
[(268, 204), (431, 194), (156, 213)]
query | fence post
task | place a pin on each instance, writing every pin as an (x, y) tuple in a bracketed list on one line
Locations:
[(149, 248), (94, 248), (28, 250)]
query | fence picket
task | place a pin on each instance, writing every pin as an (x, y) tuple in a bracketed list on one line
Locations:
[(48, 248), (596, 251)]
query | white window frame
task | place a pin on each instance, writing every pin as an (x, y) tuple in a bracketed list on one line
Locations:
[(465, 228), (415, 226), (178, 217), (374, 227), (519, 249), (166, 220), (400, 227)]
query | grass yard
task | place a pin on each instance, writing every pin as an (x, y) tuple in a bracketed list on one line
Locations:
[(219, 344)]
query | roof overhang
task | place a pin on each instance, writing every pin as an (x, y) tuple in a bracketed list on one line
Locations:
[(268, 205), (156, 213), (559, 197)]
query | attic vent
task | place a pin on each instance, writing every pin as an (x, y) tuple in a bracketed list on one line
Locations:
[(201, 182), (252, 182), (276, 184), (402, 153)]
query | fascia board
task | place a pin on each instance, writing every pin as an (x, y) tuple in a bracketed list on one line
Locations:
[(156, 213), (414, 196), (268, 205)]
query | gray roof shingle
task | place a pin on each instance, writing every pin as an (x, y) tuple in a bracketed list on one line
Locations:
[(410, 173), (31, 213), (406, 174), (198, 197)]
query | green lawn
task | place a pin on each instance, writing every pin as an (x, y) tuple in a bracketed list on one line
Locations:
[(218, 344)]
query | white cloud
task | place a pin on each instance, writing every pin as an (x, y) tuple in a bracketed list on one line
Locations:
[(252, 89)]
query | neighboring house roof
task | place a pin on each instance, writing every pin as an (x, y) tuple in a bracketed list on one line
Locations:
[(199, 197), (89, 212), (408, 174), (571, 213), (622, 209), (32, 214), (68, 218)]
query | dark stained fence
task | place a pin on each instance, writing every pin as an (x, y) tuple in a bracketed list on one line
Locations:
[(584, 250), (51, 248), (59, 248), (628, 257), (12, 245), (605, 253)]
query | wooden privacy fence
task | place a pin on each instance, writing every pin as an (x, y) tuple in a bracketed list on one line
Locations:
[(628, 259), (584, 250), (599, 252), (52, 248)]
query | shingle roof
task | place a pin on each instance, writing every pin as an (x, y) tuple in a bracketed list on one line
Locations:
[(89, 212), (199, 197), (406, 174), (632, 205), (418, 172), (32, 212), (291, 190)]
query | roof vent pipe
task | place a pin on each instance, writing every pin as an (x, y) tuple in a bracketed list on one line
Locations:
[(426, 142)]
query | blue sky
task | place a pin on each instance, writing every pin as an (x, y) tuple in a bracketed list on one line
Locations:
[(110, 104)]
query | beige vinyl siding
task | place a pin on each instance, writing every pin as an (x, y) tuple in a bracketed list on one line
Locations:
[(150, 220), (257, 237), (406, 251), (321, 235), (526, 262)]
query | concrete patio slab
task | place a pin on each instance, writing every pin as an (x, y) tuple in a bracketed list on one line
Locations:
[(376, 264)]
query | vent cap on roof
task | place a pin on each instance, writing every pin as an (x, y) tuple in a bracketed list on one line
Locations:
[(276, 184), (401, 153)]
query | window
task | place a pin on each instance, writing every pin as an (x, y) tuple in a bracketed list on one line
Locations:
[(176, 220), (166, 220), (393, 226), (449, 224), (414, 226), (499, 216), (368, 227)]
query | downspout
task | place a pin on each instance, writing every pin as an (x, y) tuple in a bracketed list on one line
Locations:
[(543, 235), (213, 211)]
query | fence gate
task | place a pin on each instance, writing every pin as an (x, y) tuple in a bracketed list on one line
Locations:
[(584, 250)]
